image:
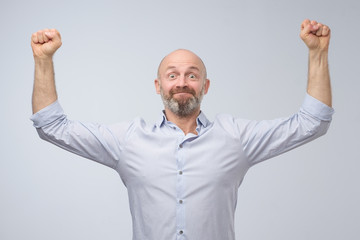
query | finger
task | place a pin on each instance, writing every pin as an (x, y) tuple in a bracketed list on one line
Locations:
[(46, 39), (309, 26), (325, 30), (49, 35), (319, 30), (305, 23), (53, 34), (305, 26), (306, 30), (40, 37), (34, 38), (312, 24), (314, 27)]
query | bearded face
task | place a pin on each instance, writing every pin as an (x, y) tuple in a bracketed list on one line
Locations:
[(182, 83), (183, 106)]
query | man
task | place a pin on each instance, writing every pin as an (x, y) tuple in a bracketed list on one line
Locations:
[(183, 172)]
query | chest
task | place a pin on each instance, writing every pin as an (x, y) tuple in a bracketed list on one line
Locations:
[(153, 159)]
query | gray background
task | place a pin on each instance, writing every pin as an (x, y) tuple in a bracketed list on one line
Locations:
[(105, 70)]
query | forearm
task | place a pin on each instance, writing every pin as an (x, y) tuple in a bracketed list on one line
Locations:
[(319, 85), (44, 91)]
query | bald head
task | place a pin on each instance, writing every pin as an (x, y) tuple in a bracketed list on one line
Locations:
[(181, 56)]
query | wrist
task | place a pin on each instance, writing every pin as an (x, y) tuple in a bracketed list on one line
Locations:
[(318, 56), (318, 52), (43, 60)]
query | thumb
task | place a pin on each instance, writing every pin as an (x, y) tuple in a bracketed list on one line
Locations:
[(49, 34), (53, 34), (307, 29)]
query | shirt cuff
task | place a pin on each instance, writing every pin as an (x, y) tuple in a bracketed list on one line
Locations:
[(47, 115), (317, 108)]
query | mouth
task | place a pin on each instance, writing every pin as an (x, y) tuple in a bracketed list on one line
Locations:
[(182, 96), (183, 92)]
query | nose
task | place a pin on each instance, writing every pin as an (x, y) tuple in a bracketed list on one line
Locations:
[(181, 82)]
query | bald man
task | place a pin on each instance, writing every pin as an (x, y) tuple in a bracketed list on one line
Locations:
[(183, 172)]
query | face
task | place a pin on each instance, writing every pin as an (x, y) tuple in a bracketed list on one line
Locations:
[(182, 82)]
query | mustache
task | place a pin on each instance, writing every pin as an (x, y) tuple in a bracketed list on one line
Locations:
[(182, 90)]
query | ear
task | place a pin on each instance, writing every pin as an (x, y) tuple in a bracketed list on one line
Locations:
[(207, 85), (157, 86)]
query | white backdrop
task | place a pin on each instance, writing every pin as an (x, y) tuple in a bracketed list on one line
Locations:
[(105, 71)]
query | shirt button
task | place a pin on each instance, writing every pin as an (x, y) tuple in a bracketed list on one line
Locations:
[(181, 232), (180, 146), (180, 172), (180, 201)]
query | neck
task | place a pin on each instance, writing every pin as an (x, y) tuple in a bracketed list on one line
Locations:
[(186, 124)]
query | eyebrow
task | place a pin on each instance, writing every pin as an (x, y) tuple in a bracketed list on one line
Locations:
[(192, 67)]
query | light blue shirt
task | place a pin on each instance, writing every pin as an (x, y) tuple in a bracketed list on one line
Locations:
[(183, 186)]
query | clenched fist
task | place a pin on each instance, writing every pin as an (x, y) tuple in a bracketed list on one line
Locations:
[(315, 35), (45, 42)]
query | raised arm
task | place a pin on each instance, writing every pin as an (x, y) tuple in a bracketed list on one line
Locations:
[(317, 37), (101, 143), (44, 44)]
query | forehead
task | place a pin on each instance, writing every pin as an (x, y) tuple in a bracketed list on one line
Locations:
[(181, 59)]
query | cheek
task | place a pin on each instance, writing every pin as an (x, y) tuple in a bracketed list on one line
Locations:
[(197, 86), (164, 89), (168, 86)]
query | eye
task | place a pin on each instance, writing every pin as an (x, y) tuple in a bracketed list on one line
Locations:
[(192, 76), (172, 76)]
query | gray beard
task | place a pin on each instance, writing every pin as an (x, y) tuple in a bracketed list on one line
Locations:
[(182, 108)]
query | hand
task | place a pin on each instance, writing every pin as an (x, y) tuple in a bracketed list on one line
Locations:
[(45, 42), (315, 35)]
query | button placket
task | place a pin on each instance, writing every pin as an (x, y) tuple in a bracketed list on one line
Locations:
[(180, 211)]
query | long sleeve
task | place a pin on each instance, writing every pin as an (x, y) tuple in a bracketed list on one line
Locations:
[(265, 139), (97, 142)]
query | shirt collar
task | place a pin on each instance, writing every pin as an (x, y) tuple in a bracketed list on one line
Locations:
[(161, 120), (201, 119)]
